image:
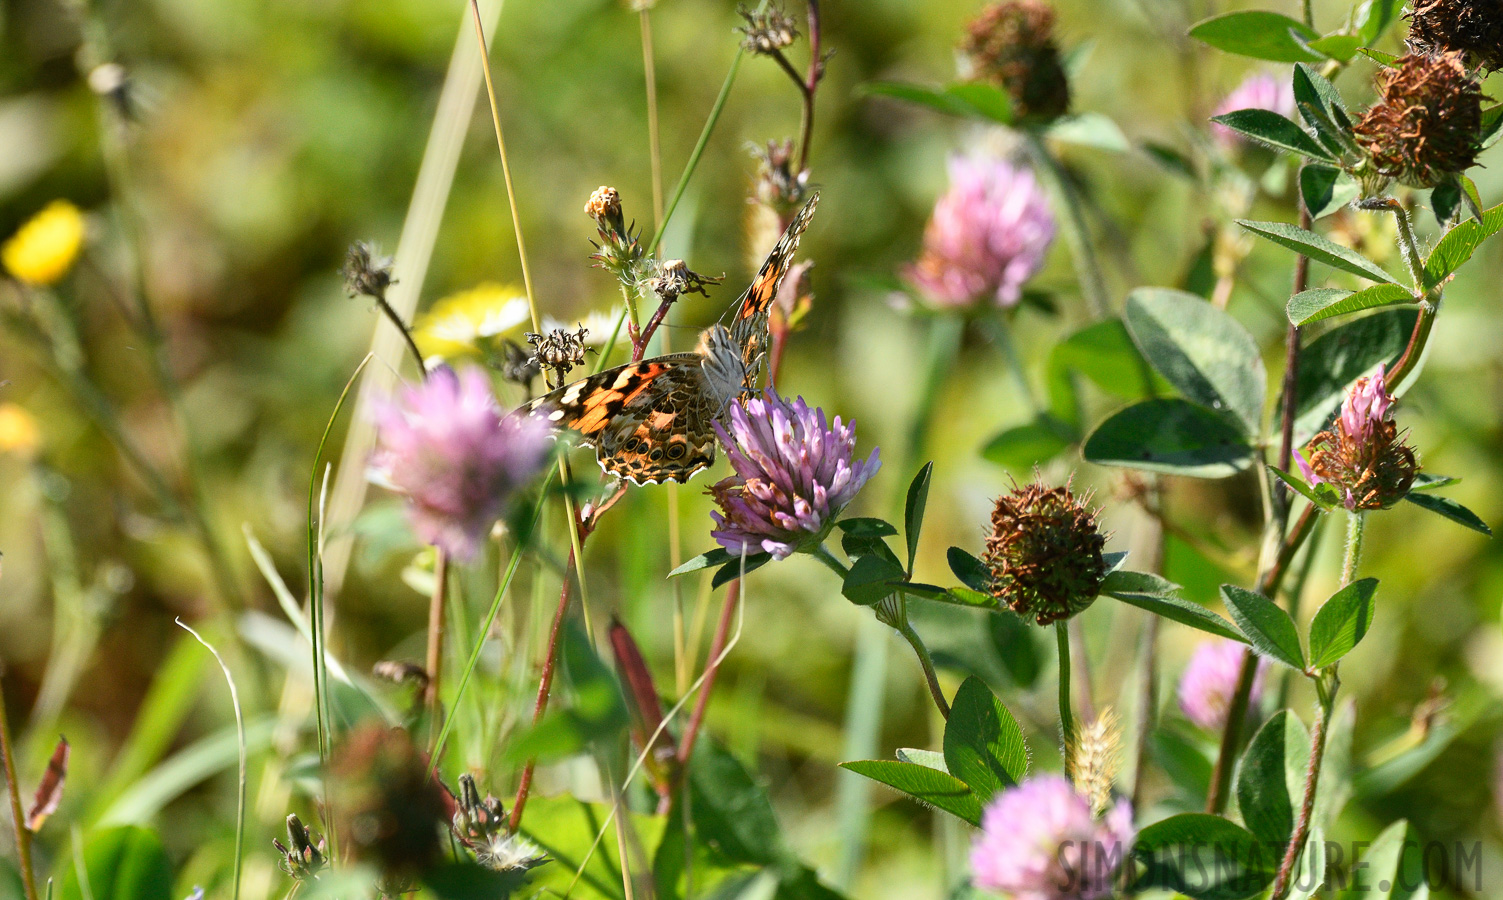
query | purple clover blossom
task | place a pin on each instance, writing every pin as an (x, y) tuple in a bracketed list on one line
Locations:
[(1365, 409), (986, 237), (794, 474), (446, 444), (1258, 91), (1038, 841), (1210, 680)]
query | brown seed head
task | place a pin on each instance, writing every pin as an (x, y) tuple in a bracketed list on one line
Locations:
[(1011, 44), (559, 350), (1374, 473), (1424, 128), (779, 187), (366, 272), (1044, 553), (604, 207), (391, 813), (675, 278), (1472, 27)]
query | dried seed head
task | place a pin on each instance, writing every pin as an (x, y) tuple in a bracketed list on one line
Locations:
[(1095, 758), (618, 250), (1044, 552), (1472, 27), (366, 272), (301, 856), (559, 351), (517, 365), (779, 187), (1012, 45), (1363, 455), (604, 207), (768, 31), (675, 278), (1424, 129), (391, 812)]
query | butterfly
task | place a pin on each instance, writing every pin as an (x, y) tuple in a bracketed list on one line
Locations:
[(653, 421)]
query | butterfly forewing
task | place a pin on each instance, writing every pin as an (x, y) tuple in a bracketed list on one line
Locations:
[(750, 311)]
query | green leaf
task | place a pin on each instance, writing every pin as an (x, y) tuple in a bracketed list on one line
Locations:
[(984, 101), (1015, 643), (1172, 436), (1373, 18), (1106, 356), (1267, 626), (1340, 47), (1203, 856), (1020, 448), (1268, 127), (938, 789), (931, 758), (867, 527), (1424, 481), (718, 556), (1206, 354), (1392, 868), (1323, 303), (1492, 126), (596, 714), (983, 744), (1452, 510), (1319, 249), (971, 571), (1310, 877), (1312, 88), (1304, 490), (1270, 778), (934, 98), (127, 863), (738, 567), (1331, 362), (913, 510), (960, 596), (1089, 129), (1386, 60), (1458, 245), (1171, 159), (731, 810), (1258, 34), (1149, 592), (1326, 189), (1342, 622), (1445, 199), (871, 578)]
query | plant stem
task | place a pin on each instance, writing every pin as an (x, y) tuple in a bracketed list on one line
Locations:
[(696, 153), (23, 835), (1355, 528), (395, 319), (1066, 717), (1077, 235), (927, 662), (811, 86), (712, 669), (435, 657), (654, 150), (545, 686)]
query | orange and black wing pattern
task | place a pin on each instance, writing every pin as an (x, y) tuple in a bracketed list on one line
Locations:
[(748, 315)]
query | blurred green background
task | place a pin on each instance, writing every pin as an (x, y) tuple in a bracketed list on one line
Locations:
[(267, 135)]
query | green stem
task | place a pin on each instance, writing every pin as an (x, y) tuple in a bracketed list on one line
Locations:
[(23, 836), (1072, 224), (697, 152), (1066, 717), (931, 678), (823, 554), (1355, 527)]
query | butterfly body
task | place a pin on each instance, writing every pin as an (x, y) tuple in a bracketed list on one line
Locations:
[(653, 421)]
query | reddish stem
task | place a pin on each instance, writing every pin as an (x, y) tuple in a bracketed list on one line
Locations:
[(545, 685)]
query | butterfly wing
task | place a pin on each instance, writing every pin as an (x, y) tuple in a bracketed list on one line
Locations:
[(749, 313), (648, 421)]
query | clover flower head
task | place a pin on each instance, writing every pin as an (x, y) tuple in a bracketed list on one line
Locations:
[(988, 235), (795, 472), (1362, 455), (1260, 90), (1473, 27), (1011, 44), (44, 248), (1044, 552), (1423, 131), (1039, 841), (446, 445), (1210, 680)]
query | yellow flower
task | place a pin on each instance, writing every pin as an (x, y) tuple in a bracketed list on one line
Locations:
[(43, 250), (18, 430), (459, 323)]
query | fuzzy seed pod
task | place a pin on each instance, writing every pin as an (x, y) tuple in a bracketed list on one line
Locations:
[(1044, 553), (1011, 44), (1472, 27), (1424, 129)]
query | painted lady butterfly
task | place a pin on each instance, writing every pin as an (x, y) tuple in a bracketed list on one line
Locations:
[(651, 421)]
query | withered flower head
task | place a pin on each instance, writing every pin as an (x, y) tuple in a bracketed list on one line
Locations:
[(1472, 27), (604, 207), (559, 350), (391, 813), (517, 365), (618, 250), (767, 32), (1362, 455), (481, 826), (1044, 552), (675, 278), (778, 186), (1424, 128), (301, 856), (1011, 44), (366, 272)]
